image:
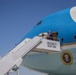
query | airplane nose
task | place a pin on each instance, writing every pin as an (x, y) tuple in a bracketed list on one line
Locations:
[(73, 13)]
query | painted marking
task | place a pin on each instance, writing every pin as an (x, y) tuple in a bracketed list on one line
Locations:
[(66, 57), (73, 13)]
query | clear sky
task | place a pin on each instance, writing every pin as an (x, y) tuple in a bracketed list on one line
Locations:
[(18, 17)]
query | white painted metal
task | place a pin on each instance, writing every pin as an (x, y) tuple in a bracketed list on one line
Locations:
[(15, 56), (48, 45), (18, 72)]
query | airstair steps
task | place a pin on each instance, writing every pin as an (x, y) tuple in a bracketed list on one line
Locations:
[(14, 57)]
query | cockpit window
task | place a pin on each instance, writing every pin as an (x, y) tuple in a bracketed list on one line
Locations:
[(39, 23)]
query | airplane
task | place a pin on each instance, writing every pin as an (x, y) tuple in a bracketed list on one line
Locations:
[(50, 47), (62, 24)]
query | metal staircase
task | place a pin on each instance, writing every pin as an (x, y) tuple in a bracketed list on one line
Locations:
[(13, 59)]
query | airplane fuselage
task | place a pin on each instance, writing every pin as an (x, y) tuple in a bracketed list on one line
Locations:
[(58, 63)]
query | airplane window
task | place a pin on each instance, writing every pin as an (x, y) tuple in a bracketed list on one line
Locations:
[(74, 37), (62, 39), (39, 23)]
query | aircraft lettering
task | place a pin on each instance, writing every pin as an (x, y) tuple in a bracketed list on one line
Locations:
[(51, 44)]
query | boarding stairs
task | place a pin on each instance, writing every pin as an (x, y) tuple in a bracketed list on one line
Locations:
[(13, 59)]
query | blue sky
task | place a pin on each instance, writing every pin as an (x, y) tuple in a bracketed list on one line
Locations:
[(18, 17)]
